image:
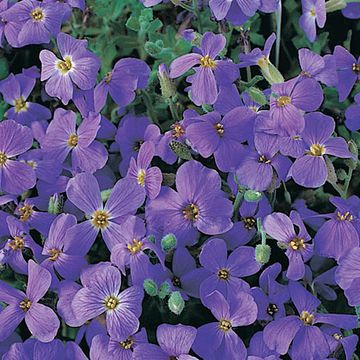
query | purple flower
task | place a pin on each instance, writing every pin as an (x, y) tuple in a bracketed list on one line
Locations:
[(128, 75), (352, 10), (19, 241), (83, 191), (314, 13), (271, 296), (257, 166), (347, 276), (132, 133), (129, 251), (320, 68), (149, 178), (15, 176), (106, 348), (310, 169), (175, 341), (282, 228), (221, 8), (198, 204), (39, 21), (352, 115), (102, 295), (308, 341), (258, 350), (40, 319), (224, 273), (210, 73), (218, 339), (348, 69), (78, 66), (62, 137), (290, 99), (16, 90), (210, 135)]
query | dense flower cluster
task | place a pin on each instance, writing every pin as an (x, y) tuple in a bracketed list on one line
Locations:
[(155, 205)]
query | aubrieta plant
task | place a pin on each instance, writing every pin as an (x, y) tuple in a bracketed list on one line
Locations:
[(179, 180)]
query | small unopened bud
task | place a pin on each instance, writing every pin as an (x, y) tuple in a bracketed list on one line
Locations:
[(271, 73), (151, 238), (335, 5), (55, 204), (287, 197), (150, 287), (176, 303), (105, 194), (164, 290), (166, 84), (252, 195), (180, 149), (353, 148), (331, 177), (262, 254), (341, 174), (168, 242)]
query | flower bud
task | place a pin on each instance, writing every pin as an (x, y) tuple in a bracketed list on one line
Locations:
[(176, 303), (252, 196), (55, 204), (180, 149), (270, 72), (105, 194), (164, 290), (150, 287), (262, 253), (166, 84), (168, 242), (335, 5), (331, 177)]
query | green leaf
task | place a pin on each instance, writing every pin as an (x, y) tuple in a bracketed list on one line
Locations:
[(133, 23)]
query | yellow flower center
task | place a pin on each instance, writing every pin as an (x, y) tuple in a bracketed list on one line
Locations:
[(176, 281), (191, 212), (141, 177), (32, 164), (307, 318), (127, 344), (249, 222), (225, 325), (312, 12), (37, 14), (297, 243), (356, 68), (100, 219), (207, 62), (264, 160), (25, 212), (223, 274), (177, 130), (316, 150), (73, 140), (111, 302), (344, 217), (337, 336), (17, 243), (25, 304), (304, 73), (65, 65), (135, 247), (219, 129), (54, 254), (272, 309), (282, 101), (3, 158), (108, 77), (20, 105)]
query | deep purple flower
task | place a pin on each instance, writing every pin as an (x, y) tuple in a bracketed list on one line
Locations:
[(197, 205), (308, 341), (290, 99), (348, 69), (352, 10), (210, 135), (40, 319), (210, 73), (149, 178), (102, 295), (282, 228), (348, 276), (83, 191), (258, 350), (310, 169), (19, 241), (352, 115), (15, 176), (78, 66), (62, 137), (132, 133), (320, 68), (313, 13), (16, 89), (220, 8), (218, 339), (225, 273), (128, 75), (39, 21), (175, 341)]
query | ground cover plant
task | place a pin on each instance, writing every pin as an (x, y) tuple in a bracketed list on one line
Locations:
[(179, 179)]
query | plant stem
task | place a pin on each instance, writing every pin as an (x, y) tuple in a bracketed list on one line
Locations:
[(278, 34), (149, 108), (197, 14)]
